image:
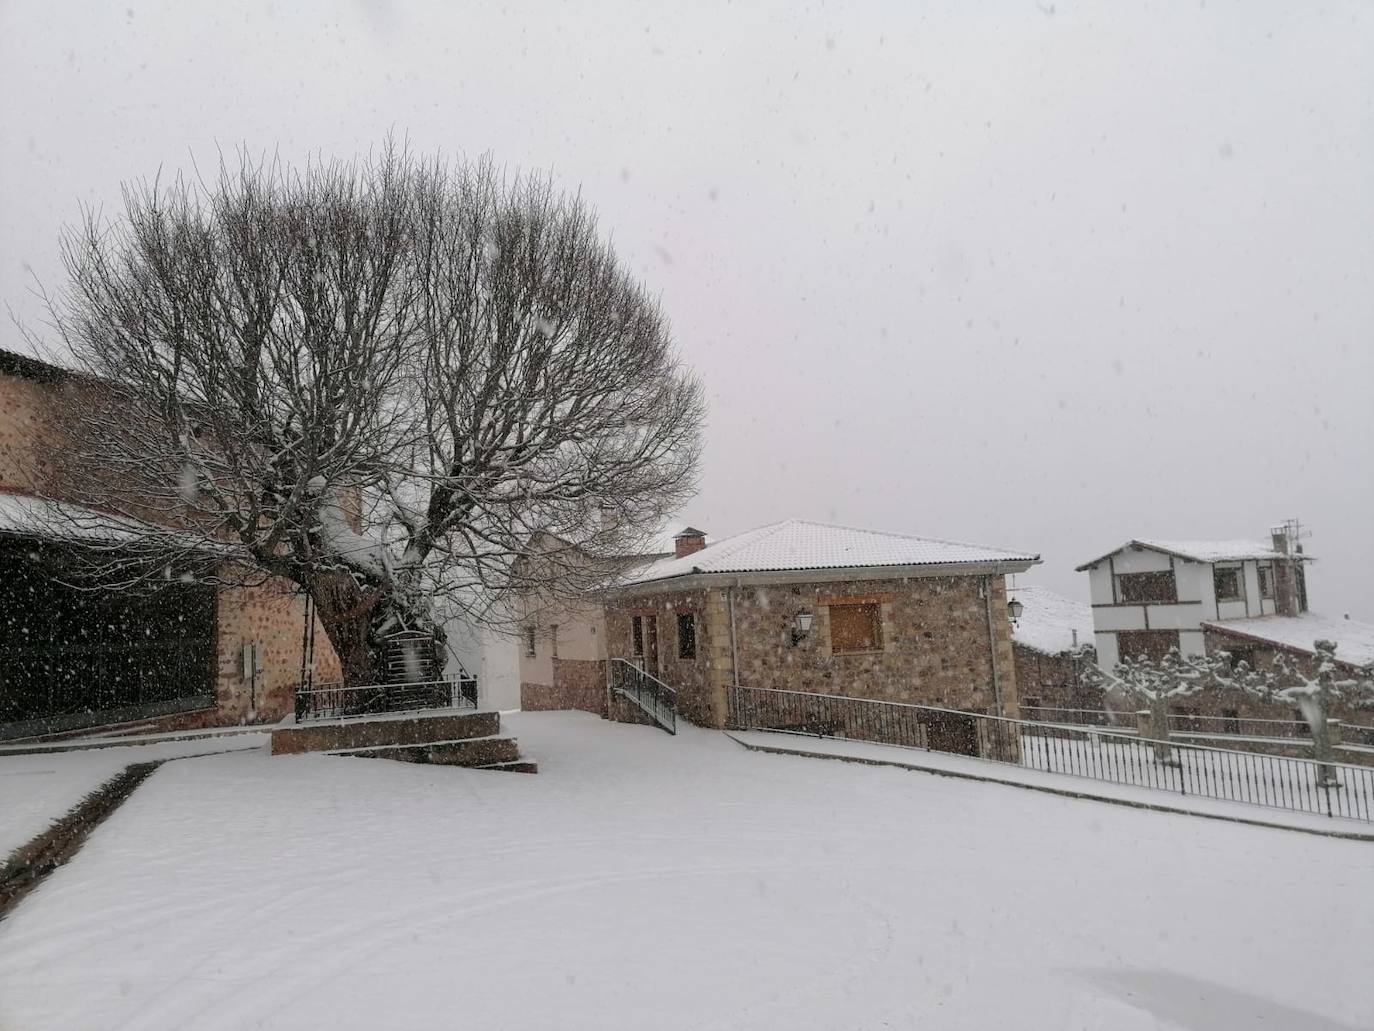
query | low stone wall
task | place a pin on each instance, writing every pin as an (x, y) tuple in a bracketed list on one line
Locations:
[(577, 684)]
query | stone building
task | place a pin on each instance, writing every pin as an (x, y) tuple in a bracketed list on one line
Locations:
[(71, 659), (1049, 635), (808, 607)]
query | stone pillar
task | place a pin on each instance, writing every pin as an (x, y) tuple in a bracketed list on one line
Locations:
[(721, 674)]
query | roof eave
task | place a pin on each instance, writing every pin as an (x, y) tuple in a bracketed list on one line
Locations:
[(828, 574)]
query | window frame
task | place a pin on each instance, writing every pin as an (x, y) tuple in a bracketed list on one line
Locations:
[(1228, 571), (1265, 575), (687, 645), (531, 643)]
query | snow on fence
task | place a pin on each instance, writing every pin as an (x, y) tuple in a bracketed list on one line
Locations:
[(1098, 753)]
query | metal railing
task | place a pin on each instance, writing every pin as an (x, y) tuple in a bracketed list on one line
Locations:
[(1275, 781), (334, 699), (643, 689), (1116, 719)]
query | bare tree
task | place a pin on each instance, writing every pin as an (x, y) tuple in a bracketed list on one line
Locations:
[(376, 380)]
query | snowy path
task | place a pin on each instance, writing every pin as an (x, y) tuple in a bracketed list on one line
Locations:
[(36, 790), (646, 881)]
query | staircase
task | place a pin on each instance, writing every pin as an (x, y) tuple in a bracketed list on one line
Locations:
[(646, 692), (471, 739)]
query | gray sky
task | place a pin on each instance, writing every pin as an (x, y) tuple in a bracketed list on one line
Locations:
[(1042, 276)]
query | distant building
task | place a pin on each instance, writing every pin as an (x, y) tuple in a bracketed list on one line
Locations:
[(1241, 597), (1049, 639), (1151, 595)]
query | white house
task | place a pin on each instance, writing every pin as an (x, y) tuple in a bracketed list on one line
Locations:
[(1150, 595)]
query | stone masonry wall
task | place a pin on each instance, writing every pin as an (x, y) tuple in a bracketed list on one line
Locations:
[(1053, 679), (935, 646), (577, 684), (692, 678)]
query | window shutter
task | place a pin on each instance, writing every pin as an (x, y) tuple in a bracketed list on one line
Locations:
[(854, 628)]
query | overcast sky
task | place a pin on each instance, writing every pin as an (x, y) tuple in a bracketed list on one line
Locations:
[(1036, 276)]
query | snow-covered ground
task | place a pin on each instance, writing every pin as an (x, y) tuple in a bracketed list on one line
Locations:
[(36, 790), (646, 881)]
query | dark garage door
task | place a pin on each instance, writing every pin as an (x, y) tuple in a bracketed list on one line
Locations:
[(72, 658)]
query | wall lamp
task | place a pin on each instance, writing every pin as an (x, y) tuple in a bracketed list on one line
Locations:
[(1014, 609), (801, 625)]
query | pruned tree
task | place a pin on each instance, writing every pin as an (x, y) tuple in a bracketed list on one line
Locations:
[(376, 380), (1313, 686), (1156, 683)]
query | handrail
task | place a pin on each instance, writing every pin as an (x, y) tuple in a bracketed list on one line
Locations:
[(657, 699)]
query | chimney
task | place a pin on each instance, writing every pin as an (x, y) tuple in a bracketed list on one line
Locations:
[(688, 541), (1279, 539)]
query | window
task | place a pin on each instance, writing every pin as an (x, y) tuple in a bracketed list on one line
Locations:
[(1153, 644), (686, 635), (1146, 587), (1266, 582), (1226, 580), (855, 628), (529, 642), (553, 639)]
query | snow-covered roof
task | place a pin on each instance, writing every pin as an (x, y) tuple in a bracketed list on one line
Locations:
[(796, 544), (1199, 551), (22, 515), (1354, 640), (1048, 620)]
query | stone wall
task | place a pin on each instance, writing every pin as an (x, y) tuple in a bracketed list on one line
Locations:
[(271, 615), (690, 677), (1055, 680), (577, 684), (935, 647)]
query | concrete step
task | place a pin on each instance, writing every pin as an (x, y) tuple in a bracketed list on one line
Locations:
[(518, 766), (478, 752), (362, 732)]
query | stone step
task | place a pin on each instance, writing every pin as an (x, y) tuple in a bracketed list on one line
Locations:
[(518, 766), (482, 751), (362, 732)]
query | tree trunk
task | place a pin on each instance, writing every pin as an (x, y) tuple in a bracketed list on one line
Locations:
[(347, 614), (1314, 712), (1159, 731)]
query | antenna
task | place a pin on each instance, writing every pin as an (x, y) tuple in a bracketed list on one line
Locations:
[(1293, 533)]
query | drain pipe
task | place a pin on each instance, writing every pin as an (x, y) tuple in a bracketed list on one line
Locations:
[(992, 646)]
